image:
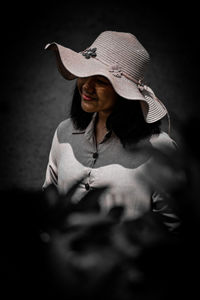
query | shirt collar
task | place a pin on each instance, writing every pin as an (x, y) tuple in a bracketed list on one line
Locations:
[(89, 131), (88, 128)]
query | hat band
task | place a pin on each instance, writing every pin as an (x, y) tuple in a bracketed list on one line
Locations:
[(141, 86), (117, 72)]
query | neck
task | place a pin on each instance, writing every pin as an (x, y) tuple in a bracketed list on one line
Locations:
[(102, 118), (100, 127)]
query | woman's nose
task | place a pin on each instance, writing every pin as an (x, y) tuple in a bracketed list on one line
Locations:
[(88, 85)]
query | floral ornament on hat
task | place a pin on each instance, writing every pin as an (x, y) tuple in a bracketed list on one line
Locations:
[(91, 52), (115, 70)]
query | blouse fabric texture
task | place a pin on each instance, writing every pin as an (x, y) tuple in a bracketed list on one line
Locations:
[(75, 156)]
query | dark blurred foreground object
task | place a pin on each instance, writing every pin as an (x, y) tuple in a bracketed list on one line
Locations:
[(53, 249)]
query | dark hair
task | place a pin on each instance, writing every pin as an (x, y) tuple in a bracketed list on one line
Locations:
[(126, 120)]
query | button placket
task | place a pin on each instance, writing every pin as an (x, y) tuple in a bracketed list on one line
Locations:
[(95, 155), (87, 183)]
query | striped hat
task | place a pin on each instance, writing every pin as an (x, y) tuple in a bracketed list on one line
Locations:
[(122, 60)]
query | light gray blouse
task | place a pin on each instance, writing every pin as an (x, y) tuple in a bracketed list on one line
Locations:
[(75, 155)]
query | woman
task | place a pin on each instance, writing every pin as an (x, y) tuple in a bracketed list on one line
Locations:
[(114, 128)]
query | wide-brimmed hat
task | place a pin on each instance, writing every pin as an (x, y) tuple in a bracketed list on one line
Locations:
[(121, 58)]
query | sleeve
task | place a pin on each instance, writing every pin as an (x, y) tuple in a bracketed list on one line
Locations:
[(51, 171)]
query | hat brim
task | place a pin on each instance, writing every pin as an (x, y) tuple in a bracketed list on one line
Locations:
[(72, 65)]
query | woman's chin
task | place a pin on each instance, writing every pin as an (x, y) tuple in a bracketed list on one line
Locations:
[(87, 107)]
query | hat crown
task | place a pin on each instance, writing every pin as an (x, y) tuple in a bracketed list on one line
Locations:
[(125, 50)]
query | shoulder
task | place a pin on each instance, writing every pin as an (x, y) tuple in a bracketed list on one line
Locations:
[(64, 130), (65, 124), (163, 142)]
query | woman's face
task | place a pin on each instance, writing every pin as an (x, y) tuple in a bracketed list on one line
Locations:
[(97, 94)]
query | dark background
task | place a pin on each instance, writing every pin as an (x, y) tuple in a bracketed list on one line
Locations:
[(34, 96)]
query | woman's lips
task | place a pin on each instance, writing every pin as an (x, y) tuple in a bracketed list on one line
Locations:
[(87, 98)]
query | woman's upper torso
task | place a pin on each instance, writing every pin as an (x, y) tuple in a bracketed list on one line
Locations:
[(74, 155)]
